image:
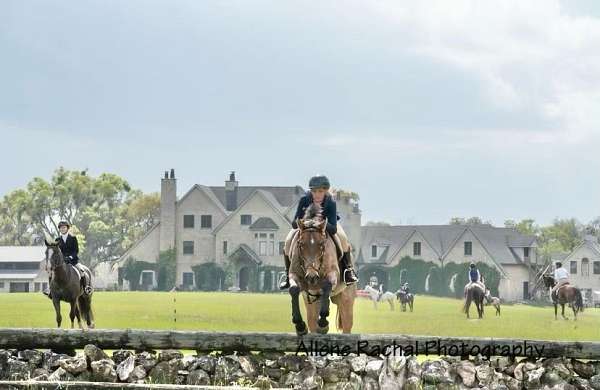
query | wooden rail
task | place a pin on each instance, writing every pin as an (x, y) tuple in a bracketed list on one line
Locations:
[(373, 344)]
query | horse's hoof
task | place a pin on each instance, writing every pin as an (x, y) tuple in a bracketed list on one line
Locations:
[(301, 329), (322, 330)]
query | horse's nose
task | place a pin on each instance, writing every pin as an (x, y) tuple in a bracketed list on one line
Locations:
[(312, 278)]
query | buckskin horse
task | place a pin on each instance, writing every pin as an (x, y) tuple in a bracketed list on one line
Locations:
[(66, 285), (475, 294), (314, 272), (565, 294)]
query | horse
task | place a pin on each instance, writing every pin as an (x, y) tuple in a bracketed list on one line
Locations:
[(315, 272), (66, 285), (494, 301), (405, 298), (475, 294), (385, 297), (565, 294)]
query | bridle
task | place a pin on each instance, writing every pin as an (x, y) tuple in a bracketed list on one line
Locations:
[(318, 259), (50, 261)]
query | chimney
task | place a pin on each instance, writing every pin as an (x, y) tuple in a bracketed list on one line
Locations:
[(231, 192), (168, 199)]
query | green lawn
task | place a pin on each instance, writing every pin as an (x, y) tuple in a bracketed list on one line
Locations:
[(271, 312)]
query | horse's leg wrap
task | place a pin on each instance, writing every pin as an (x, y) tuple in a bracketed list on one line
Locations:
[(296, 315), (324, 310)]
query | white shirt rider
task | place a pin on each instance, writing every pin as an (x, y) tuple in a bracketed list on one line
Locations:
[(560, 274)]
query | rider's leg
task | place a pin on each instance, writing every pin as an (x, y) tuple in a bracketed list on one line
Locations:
[(348, 274), (87, 283), (285, 282)]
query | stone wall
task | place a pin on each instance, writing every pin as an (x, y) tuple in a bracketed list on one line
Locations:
[(267, 369)]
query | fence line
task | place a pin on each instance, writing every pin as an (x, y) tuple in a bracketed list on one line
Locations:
[(139, 339)]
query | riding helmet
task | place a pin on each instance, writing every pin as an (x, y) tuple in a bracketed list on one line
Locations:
[(472, 265), (63, 223), (319, 181), (558, 264)]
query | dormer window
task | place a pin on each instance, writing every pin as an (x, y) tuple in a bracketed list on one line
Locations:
[(374, 251)]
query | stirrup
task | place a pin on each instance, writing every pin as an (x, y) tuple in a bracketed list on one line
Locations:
[(88, 290), (352, 279), (284, 282)]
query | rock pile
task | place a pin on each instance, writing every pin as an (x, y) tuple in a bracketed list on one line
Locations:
[(289, 370)]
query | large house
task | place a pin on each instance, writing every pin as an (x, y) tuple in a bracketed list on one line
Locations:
[(231, 237), (227, 236), (21, 269), (447, 250), (583, 264)]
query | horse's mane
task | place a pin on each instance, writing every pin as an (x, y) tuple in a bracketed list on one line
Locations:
[(313, 211)]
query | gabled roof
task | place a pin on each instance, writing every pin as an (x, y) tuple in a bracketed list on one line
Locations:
[(136, 244), (497, 242), (22, 253), (243, 251), (284, 196), (268, 199), (264, 223), (593, 245), (210, 194)]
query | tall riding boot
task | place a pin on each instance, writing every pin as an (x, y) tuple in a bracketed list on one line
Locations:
[(285, 282), (348, 274)]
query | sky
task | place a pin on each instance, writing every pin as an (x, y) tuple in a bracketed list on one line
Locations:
[(427, 109)]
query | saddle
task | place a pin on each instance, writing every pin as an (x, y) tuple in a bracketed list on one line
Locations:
[(83, 277)]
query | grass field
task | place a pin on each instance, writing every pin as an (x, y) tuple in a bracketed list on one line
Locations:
[(271, 312)]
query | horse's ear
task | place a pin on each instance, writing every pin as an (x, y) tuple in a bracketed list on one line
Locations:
[(323, 225)]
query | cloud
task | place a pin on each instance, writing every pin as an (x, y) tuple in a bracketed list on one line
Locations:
[(527, 55)]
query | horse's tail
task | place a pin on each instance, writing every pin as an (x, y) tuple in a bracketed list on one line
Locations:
[(579, 299), (85, 306)]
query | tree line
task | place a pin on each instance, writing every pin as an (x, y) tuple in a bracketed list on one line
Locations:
[(107, 215)]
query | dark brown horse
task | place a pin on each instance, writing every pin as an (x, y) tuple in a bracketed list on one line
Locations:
[(66, 285), (315, 272), (475, 294), (405, 299), (565, 294)]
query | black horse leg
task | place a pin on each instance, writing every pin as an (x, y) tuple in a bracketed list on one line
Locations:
[(555, 311), (324, 310), (56, 303), (562, 305), (296, 315), (72, 314)]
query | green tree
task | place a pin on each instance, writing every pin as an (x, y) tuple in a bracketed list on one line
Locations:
[(525, 226), (106, 214)]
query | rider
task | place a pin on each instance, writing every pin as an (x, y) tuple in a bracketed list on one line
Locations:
[(474, 278), (561, 276), (69, 248), (405, 289), (319, 193)]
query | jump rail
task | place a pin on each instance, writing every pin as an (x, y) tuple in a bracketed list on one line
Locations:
[(373, 344)]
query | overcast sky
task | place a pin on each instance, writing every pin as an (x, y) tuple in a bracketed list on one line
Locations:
[(428, 110)]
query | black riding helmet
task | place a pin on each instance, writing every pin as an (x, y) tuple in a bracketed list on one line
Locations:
[(63, 223), (558, 264), (319, 181), (472, 265)]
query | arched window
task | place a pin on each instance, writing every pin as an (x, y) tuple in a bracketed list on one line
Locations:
[(585, 267)]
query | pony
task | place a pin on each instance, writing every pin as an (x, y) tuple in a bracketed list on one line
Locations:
[(385, 297), (314, 272), (475, 294), (405, 298), (66, 285), (565, 294), (494, 301)]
